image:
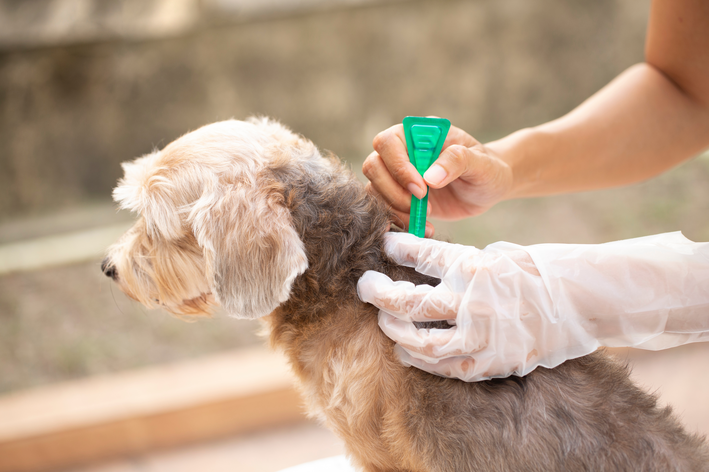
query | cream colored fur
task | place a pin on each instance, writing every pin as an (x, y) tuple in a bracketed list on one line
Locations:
[(208, 186)]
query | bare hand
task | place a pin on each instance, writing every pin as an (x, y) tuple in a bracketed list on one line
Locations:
[(466, 179)]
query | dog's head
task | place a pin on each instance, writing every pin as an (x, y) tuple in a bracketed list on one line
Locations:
[(213, 224)]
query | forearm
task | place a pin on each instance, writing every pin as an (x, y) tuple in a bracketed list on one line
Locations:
[(638, 126), (650, 292)]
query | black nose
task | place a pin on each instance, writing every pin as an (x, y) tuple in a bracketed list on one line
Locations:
[(108, 269)]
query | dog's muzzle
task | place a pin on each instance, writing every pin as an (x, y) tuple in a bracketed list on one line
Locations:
[(108, 269)]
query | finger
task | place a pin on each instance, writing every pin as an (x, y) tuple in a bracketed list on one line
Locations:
[(405, 300), (402, 221), (449, 167), (466, 368), (429, 230), (382, 183), (379, 290), (462, 367), (485, 363), (473, 164), (427, 256), (470, 368), (431, 344), (458, 136), (402, 218), (390, 144), (454, 161), (423, 341)]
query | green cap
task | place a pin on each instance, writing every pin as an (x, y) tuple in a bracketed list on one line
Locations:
[(424, 140)]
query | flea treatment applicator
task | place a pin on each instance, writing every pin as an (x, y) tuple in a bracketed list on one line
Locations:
[(424, 140)]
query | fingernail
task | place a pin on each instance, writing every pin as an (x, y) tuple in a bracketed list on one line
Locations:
[(435, 174), (417, 191), (428, 232)]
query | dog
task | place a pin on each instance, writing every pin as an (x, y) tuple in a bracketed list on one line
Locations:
[(252, 217)]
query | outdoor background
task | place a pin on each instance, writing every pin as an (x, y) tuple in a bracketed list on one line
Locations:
[(85, 85)]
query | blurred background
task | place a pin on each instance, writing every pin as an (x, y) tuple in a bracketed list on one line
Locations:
[(88, 84)]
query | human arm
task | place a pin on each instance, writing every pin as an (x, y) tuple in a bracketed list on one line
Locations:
[(515, 308), (652, 117)]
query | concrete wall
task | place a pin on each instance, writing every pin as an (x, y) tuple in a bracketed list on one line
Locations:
[(69, 114)]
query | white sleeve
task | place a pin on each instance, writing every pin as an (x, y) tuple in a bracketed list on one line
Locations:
[(649, 293)]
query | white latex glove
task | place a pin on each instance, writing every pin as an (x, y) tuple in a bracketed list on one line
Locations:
[(515, 308)]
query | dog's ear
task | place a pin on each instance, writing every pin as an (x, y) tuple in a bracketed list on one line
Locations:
[(146, 189), (252, 250)]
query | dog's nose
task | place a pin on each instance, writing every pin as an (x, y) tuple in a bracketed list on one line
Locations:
[(108, 269)]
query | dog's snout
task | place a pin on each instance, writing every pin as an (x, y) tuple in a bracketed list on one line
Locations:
[(108, 269)]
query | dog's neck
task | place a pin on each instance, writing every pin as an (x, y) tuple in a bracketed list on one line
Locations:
[(341, 227)]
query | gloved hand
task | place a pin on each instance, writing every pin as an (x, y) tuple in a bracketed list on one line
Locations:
[(515, 308)]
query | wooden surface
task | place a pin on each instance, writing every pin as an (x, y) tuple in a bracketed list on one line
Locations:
[(123, 415), (113, 416), (674, 374)]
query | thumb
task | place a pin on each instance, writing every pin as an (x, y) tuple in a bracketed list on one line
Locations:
[(456, 161), (427, 256), (452, 162)]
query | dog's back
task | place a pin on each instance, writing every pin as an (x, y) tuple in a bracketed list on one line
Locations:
[(584, 415)]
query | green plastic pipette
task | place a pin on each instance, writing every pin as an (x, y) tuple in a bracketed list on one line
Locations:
[(424, 140)]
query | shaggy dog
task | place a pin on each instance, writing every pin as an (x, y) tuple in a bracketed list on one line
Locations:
[(250, 216)]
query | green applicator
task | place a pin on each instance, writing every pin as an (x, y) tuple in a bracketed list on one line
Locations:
[(424, 140)]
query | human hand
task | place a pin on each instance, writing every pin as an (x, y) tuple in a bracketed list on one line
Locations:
[(495, 298), (515, 308), (466, 179)]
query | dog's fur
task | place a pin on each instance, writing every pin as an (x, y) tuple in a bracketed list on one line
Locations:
[(250, 216)]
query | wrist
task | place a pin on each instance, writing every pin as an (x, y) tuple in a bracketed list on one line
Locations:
[(517, 150)]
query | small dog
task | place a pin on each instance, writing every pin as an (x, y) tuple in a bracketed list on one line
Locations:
[(250, 216)]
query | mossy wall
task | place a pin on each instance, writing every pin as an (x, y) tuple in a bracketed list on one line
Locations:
[(70, 114)]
